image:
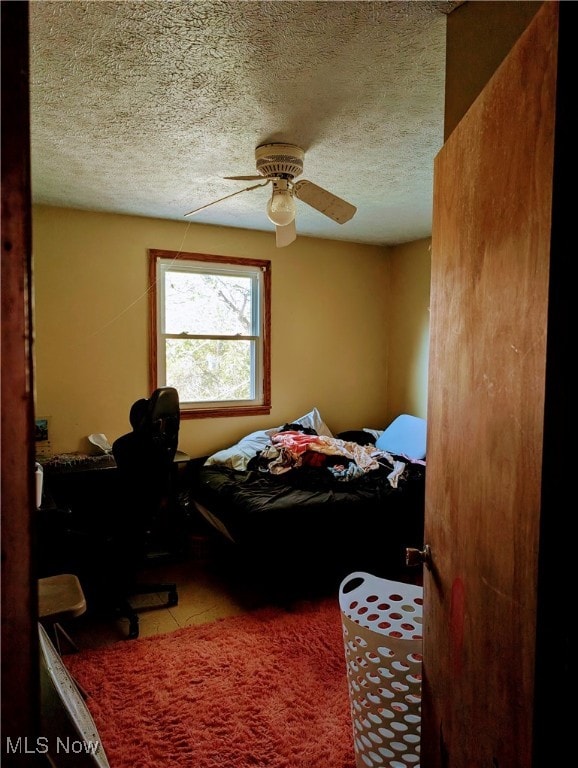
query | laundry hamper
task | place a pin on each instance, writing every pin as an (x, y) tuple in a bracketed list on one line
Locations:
[(382, 633)]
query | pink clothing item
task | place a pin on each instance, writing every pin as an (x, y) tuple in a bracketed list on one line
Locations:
[(297, 443)]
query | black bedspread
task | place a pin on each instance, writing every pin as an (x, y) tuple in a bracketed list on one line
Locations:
[(306, 518)]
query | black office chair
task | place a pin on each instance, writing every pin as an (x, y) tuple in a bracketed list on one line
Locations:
[(147, 510)]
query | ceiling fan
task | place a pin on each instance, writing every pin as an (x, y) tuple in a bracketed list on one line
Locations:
[(279, 164)]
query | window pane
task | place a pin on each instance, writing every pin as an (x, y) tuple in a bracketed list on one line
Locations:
[(209, 304), (225, 304), (204, 370)]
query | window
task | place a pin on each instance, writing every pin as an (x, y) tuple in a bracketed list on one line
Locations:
[(210, 327)]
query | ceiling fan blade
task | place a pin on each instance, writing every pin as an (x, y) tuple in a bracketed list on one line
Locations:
[(285, 235), (238, 192), (323, 201), (243, 178)]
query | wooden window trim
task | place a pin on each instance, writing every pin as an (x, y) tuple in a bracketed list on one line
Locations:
[(213, 412)]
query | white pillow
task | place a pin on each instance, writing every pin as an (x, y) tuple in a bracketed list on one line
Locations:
[(314, 421), (238, 455)]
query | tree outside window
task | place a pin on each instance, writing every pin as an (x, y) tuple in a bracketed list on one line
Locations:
[(210, 324)]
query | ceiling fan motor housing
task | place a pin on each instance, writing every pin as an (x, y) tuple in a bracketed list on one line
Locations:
[(284, 160)]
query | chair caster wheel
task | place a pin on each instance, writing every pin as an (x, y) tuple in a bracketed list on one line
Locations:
[(133, 629)]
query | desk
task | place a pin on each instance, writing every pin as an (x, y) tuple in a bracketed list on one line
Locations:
[(64, 463), (79, 504), (82, 502)]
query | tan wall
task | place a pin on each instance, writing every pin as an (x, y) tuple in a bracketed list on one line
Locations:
[(330, 306), (408, 329), (480, 33)]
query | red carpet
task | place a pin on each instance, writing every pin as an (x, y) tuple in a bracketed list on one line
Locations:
[(263, 690)]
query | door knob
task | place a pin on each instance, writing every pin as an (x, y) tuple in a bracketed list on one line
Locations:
[(415, 557)]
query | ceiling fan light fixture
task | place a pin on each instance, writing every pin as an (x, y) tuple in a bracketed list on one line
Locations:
[(278, 165), (281, 206)]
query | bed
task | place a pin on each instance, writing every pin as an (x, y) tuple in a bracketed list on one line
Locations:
[(303, 505)]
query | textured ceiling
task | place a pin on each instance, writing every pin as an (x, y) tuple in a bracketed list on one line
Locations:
[(143, 107)]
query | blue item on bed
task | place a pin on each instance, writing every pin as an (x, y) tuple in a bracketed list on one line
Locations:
[(405, 436)]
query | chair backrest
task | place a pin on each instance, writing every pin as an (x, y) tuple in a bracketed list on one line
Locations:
[(152, 444), (160, 423)]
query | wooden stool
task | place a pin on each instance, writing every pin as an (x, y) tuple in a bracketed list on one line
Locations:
[(60, 597)]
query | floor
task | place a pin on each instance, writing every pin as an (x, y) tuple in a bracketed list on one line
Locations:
[(212, 584), (206, 592)]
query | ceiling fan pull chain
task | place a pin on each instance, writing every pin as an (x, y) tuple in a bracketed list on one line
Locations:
[(247, 189)]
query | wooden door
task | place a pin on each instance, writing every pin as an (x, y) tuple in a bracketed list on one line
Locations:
[(491, 379), (20, 662)]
